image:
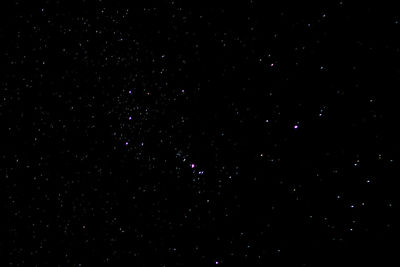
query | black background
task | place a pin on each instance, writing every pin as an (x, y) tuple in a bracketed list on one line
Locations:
[(218, 88)]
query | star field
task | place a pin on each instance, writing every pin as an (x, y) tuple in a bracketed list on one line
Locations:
[(199, 137)]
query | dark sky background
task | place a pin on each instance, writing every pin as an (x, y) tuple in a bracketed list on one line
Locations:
[(199, 137)]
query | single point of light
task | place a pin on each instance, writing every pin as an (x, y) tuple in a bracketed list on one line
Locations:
[(126, 143), (192, 165), (296, 126), (216, 262), (130, 92), (130, 118)]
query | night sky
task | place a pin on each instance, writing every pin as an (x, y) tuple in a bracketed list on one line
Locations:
[(172, 136)]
